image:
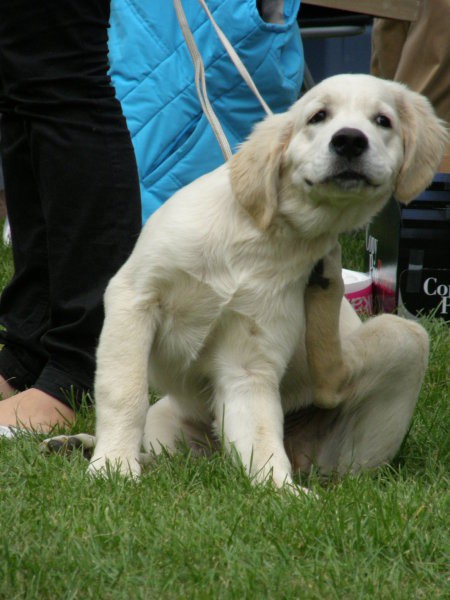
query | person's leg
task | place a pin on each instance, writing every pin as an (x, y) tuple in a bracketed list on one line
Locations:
[(86, 177), (388, 38), (417, 53), (6, 389), (424, 64), (24, 304), (93, 220), (35, 410), (24, 308)]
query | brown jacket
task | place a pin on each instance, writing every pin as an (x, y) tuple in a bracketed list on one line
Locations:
[(417, 53)]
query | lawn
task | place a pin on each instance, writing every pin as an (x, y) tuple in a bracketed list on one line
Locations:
[(195, 527)]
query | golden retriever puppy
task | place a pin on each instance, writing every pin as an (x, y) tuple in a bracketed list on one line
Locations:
[(210, 309)]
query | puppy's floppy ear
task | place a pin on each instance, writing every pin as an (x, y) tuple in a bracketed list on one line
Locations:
[(424, 139), (255, 168)]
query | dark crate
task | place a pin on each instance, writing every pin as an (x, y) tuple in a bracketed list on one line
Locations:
[(409, 253)]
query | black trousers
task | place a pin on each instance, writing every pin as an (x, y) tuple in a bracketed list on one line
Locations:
[(71, 188)]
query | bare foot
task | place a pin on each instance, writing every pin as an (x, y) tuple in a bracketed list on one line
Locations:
[(6, 389), (35, 410)]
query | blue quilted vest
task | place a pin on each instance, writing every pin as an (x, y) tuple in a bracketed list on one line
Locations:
[(154, 79)]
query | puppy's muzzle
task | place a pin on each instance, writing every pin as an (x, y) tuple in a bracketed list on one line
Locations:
[(349, 143)]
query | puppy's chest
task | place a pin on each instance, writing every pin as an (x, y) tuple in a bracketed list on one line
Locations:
[(196, 307)]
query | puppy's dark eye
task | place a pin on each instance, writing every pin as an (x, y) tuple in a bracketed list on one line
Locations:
[(383, 121), (318, 117)]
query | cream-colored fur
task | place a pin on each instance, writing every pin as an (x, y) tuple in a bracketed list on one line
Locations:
[(210, 307)]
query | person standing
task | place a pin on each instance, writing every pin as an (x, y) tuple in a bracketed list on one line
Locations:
[(417, 53), (73, 202)]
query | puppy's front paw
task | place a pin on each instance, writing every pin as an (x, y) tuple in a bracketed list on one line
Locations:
[(334, 387), (288, 485), (104, 465), (299, 490), (327, 398), (281, 481)]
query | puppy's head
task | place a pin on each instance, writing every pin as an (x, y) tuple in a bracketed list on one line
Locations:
[(349, 143)]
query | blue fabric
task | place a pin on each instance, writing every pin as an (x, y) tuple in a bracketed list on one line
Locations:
[(154, 78)]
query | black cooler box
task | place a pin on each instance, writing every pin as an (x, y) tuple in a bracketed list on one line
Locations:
[(409, 253)]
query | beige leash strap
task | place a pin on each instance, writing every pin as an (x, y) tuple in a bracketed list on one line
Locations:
[(200, 80)]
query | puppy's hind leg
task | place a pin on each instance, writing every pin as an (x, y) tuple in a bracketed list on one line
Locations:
[(167, 426), (387, 358), (65, 444), (121, 384)]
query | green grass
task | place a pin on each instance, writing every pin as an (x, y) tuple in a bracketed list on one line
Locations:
[(353, 253), (196, 528)]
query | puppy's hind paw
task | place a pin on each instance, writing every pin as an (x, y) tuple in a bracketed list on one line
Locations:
[(66, 444)]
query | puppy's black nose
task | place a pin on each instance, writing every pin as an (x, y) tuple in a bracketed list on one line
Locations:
[(349, 142)]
